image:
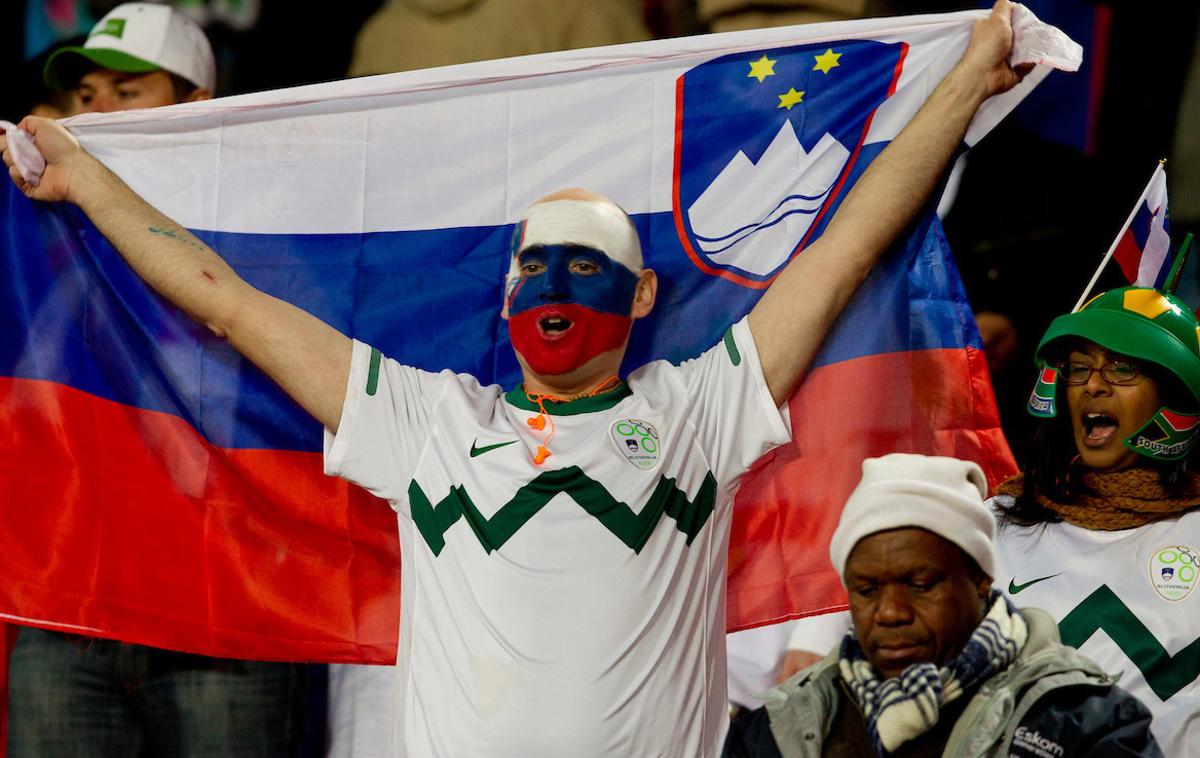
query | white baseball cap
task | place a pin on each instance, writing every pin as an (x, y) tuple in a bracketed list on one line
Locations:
[(137, 38)]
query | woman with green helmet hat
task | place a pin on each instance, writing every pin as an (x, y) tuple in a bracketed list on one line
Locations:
[(1101, 528)]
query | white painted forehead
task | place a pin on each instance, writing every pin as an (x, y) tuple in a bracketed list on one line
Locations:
[(583, 222)]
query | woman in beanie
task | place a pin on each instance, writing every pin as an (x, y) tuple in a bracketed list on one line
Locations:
[(1101, 527)]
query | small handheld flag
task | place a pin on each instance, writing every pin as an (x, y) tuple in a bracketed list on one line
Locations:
[(1143, 247)]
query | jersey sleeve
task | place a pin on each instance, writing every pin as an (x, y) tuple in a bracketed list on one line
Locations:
[(730, 405), (386, 421)]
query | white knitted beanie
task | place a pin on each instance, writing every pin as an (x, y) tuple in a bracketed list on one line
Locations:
[(942, 495)]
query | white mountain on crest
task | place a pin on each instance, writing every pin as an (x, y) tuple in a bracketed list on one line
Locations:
[(753, 215)]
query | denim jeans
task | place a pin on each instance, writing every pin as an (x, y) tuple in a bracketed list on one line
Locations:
[(78, 696)]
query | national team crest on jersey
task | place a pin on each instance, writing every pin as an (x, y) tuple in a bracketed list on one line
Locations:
[(638, 442), (1173, 571), (765, 142)]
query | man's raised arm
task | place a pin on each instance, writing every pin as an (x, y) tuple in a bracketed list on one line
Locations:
[(308, 358), (794, 315)]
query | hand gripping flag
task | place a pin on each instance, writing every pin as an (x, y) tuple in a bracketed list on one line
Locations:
[(157, 488)]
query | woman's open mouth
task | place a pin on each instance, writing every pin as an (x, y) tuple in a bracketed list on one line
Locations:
[(1099, 429)]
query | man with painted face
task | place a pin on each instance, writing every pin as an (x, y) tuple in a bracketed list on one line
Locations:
[(938, 662), (1102, 527), (570, 305), (563, 593)]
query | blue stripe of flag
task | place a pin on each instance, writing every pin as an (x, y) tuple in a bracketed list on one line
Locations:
[(73, 312)]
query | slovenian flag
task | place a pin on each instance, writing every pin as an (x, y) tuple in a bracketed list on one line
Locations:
[(1143, 248), (157, 488)]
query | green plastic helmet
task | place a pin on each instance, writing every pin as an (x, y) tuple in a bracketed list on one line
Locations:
[(1140, 322)]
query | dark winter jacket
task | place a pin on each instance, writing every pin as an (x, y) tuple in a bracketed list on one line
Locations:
[(1052, 702)]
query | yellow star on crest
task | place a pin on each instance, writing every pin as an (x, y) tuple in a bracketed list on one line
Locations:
[(790, 98), (826, 61), (761, 68)]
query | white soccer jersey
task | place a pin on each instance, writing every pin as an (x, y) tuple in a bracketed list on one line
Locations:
[(576, 608), (1126, 600)]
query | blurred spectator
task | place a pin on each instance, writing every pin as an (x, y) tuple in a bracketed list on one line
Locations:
[(72, 695), (1185, 154), (411, 34), (732, 15), (34, 96), (935, 646), (293, 42), (140, 55)]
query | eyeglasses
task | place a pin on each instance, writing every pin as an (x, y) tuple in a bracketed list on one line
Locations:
[(1113, 372)]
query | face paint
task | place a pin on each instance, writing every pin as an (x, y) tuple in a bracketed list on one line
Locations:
[(570, 304)]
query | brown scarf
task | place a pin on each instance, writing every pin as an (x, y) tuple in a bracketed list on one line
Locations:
[(1118, 499)]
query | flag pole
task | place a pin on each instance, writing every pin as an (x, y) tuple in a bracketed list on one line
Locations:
[(1113, 247), (1177, 268)]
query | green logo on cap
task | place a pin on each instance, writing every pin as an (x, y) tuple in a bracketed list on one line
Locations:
[(114, 26)]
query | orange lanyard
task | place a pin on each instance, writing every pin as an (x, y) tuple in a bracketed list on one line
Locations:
[(538, 422)]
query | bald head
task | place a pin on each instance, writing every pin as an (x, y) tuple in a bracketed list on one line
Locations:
[(576, 193), (583, 218)]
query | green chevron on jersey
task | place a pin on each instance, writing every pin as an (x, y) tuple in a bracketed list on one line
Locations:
[(634, 529), (1103, 610)]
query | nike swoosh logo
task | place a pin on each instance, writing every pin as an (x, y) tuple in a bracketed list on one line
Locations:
[(1014, 588), (478, 451)]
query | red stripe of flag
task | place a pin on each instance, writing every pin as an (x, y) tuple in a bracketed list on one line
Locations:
[(1128, 255)]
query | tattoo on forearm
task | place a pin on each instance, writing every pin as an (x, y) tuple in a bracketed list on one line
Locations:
[(175, 236)]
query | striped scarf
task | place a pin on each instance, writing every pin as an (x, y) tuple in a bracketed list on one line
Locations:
[(898, 709)]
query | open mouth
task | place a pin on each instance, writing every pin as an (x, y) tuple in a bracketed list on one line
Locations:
[(1098, 429), (553, 326)]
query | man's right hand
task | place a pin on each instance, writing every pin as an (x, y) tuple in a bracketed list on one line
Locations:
[(65, 159), (309, 359)]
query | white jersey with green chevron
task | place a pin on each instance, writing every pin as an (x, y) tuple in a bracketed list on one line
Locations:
[(575, 607), (1126, 600)]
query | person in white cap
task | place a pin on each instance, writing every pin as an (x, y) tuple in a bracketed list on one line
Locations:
[(140, 55), (77, 695), (565, 541), (938, 662)]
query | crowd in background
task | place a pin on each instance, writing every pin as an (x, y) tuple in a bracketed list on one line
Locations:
[(1036, 206)]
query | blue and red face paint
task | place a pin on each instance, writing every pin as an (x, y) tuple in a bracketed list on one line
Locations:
[(574, 305)]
